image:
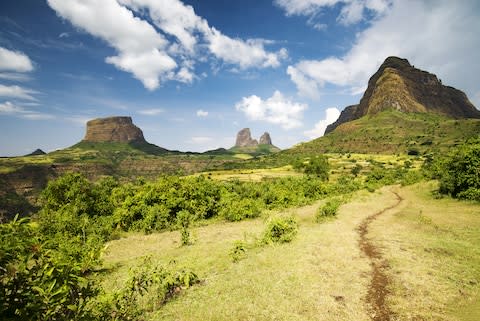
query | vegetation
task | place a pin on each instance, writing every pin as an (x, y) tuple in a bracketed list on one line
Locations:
[(459, 173)]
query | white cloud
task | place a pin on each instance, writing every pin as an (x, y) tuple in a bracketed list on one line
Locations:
[(9, 108), (331, 115), (276, 110), (15, 76), (151, 112), (17, 92), (141, 50), (146, 53), (352, 11), (424, 32), (14, 61), (202, 113)]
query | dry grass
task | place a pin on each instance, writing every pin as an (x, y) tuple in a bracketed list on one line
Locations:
[(432, 247)]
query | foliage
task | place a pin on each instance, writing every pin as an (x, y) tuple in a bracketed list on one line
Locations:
[(238, 251), (317, 166), (460, 176), (156, 282), (184, 220), (280, 229), (329, 209), (38, 282)]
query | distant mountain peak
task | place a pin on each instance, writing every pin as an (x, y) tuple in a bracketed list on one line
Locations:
[(399, 85), (244, 139), (113, 129)]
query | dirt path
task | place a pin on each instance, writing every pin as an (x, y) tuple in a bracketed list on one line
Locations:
[(378, 289)]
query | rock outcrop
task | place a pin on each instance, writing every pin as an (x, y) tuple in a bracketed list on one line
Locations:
[(113, 129), (265, 139), (399, 85), (244, 139)]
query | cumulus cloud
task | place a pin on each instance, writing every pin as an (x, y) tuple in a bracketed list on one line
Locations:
[(146, 52), (352, 11), (202, 113), (437, 36), (277, 109), (331, 115), (141, 50), (151, 112), (17, 92), (14, 61)]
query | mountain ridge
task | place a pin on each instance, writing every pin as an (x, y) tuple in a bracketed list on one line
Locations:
[(401, 86)]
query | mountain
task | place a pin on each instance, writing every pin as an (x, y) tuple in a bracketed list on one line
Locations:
[(400, 86), (36, 152), (117, 134), (246, 144)]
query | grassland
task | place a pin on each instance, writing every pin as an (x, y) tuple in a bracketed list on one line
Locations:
[(431, 246), (393, 132)]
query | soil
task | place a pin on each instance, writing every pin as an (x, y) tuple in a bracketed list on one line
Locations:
[(378, 289)]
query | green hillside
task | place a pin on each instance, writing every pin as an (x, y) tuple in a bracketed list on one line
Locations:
[(393, 132), (258, 150)]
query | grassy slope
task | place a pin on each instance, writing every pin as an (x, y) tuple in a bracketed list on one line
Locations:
[(394, 132), (433, 256)]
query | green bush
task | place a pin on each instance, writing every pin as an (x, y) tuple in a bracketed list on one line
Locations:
[(238, 251), (37, 282), (280, 229), (460, 174), (328, 210), (237, 209)]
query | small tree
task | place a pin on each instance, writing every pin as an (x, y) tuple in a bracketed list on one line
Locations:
[(318, 166), (460, 175), (184, 218)]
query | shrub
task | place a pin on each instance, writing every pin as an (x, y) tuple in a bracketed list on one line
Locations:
[(184, 219), (280, 229), (460, 175), (237, 209), (36, 281), (329, 209), (238, 251)]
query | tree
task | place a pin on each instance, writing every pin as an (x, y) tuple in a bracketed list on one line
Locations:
[(460, 175)]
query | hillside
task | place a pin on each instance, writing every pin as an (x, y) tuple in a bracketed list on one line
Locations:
[(400, 86), (392, 132)]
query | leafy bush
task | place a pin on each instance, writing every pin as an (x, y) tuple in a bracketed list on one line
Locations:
[(184, 220), (238, 251), (460, 175), (329, 209), (236, 209), (36, 281), (280, 229), (147, 288)]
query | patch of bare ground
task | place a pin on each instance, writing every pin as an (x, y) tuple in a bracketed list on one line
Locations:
[(378, 289)]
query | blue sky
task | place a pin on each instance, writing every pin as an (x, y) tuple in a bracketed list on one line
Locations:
[(193, 73)]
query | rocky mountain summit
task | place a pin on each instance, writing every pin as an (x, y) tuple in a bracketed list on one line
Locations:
[(399, 85), (113, 129), (244, 139)]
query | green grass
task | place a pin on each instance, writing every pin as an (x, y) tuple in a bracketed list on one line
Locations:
[(393, 132), (432, 247)]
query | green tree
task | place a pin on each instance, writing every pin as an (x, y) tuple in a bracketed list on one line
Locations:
[(460, 175)]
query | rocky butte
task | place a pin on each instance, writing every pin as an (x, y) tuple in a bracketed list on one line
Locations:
[(401, 86), (113, 129), (244, 139)]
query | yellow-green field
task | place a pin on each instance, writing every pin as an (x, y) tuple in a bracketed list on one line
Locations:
[(432, 247)]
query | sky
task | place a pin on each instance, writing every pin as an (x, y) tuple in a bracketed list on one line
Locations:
[(192, 73)]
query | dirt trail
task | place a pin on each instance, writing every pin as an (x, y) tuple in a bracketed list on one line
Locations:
[(378, 289)]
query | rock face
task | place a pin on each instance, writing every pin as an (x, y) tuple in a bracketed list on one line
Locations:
[(398, 85), (265, 139), (244, 139), (113, 129)]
